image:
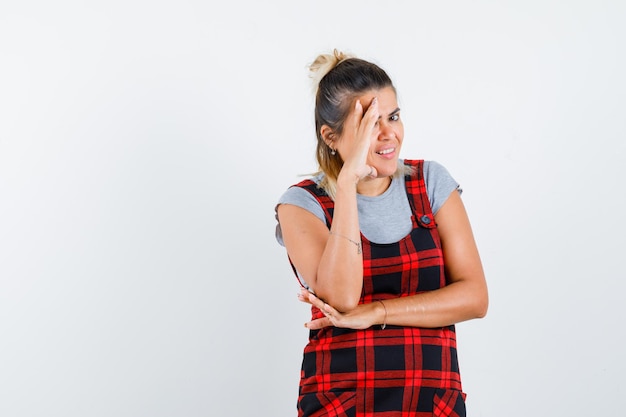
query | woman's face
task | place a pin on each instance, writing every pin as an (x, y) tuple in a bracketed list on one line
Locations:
[(389, 130)]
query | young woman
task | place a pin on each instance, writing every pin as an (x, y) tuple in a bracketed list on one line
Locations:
[(385, 254)]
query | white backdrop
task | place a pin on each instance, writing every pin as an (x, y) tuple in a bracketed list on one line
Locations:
[(143, 146)]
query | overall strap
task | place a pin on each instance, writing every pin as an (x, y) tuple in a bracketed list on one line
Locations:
[(418, 196)]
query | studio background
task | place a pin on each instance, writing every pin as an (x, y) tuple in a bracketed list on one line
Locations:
[(143, 146)]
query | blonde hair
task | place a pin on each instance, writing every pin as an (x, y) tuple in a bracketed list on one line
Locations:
[(337, 79), (323, 64)]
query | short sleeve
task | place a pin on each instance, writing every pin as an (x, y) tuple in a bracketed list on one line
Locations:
[(439, 184), (301, 198)]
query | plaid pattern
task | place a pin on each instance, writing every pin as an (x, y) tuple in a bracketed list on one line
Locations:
[(398, 371)]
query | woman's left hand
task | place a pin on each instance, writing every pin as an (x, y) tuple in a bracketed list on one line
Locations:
[(362, 317)]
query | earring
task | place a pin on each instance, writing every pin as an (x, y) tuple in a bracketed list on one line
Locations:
[(333, 152)]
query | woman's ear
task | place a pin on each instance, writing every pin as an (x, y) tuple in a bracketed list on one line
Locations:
[(328, 135)]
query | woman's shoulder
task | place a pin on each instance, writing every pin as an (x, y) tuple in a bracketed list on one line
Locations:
[(299, 191), (435, 168), (439, 182), (430, 168), (298, 195)]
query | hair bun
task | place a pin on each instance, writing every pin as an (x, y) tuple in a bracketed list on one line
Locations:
[(323, 64)]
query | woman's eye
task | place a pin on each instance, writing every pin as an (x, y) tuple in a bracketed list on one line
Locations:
[(394, 118)]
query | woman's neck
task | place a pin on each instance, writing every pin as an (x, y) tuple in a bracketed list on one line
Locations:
[(373, 187)]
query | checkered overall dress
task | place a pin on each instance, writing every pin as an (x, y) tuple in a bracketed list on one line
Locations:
[(397, 371)]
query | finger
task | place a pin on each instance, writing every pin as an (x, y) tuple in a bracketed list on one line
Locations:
[(325, 308), (303, 295), (315, 301), (355, 116), (373, 107), (303, 298), (318, 323), (358, 112), (372, 111)]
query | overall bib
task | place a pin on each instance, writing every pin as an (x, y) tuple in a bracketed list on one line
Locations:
[(397, 371)]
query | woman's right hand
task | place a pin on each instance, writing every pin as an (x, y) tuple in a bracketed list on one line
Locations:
[(360, 131)]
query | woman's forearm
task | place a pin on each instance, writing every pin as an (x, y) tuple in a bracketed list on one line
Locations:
[(454, 303), (339, 278)]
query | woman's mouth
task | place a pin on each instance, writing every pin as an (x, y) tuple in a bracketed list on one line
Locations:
[(386, 151)]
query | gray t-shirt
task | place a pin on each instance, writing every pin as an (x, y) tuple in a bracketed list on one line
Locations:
[(385, 218)]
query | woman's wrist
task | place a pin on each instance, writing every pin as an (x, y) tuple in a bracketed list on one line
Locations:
[(347, 180), (381, 313)]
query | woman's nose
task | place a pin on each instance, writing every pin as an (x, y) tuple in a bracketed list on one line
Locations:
[(384, 131)]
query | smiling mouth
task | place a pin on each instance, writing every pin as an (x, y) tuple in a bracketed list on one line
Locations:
[(386, 151)]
